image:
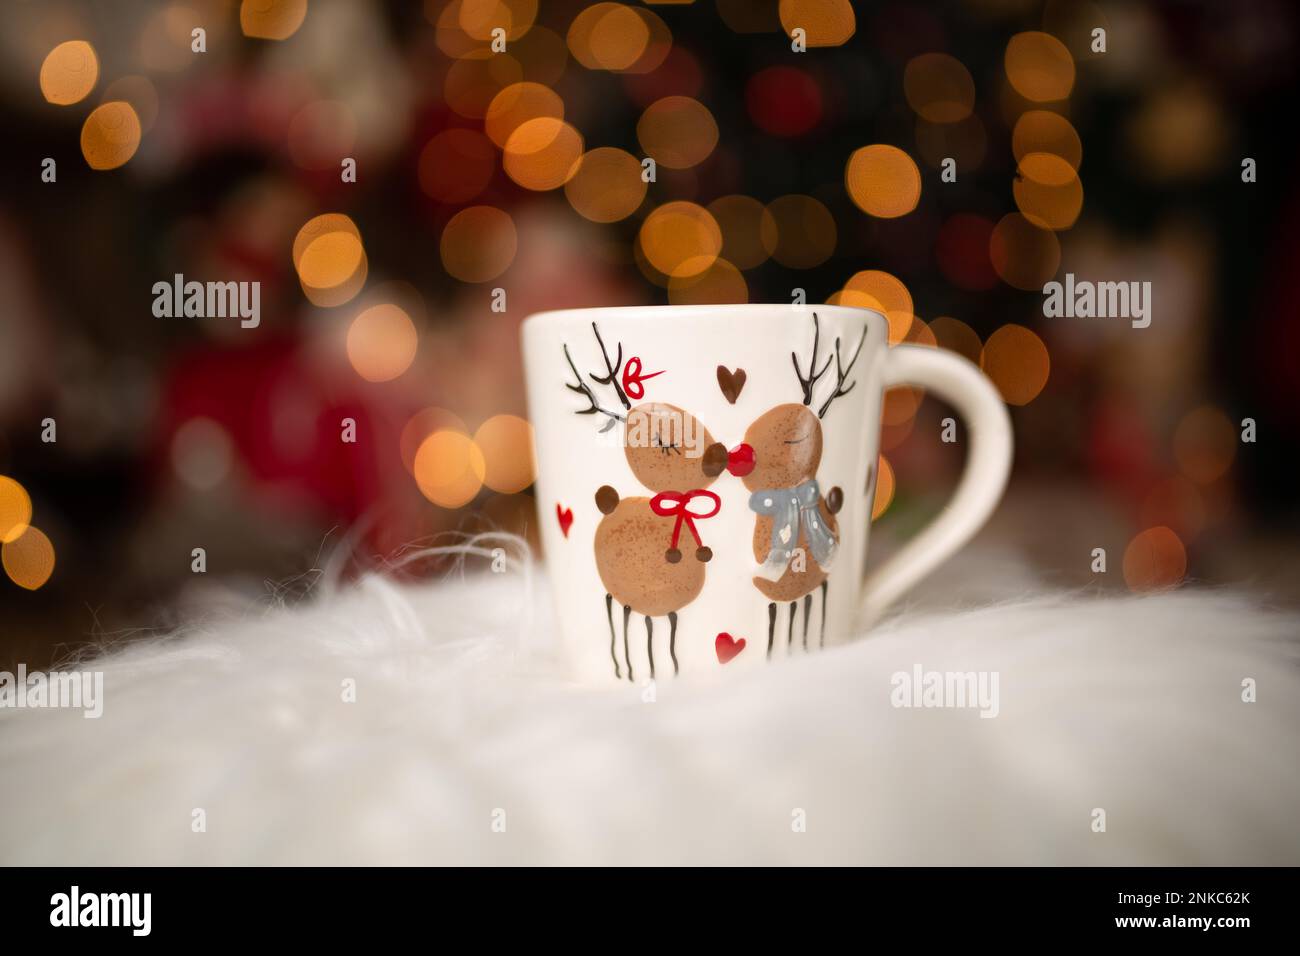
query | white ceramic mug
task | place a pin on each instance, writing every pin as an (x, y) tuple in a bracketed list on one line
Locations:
[(705, 476)]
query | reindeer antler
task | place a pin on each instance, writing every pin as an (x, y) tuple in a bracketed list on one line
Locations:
[(841, 373), (807, 382), (582, 388)]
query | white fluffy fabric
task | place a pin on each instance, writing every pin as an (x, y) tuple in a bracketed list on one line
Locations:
[(463, 718)]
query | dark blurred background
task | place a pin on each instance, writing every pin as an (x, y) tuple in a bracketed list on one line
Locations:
[(481, 169)]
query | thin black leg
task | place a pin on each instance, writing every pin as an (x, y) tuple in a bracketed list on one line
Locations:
[(613, 653), (789, 634), (650, 643), (627, 654), (672, 639), (771, 627), (823, 642), (807, 613)]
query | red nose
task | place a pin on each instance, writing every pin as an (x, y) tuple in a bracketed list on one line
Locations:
[(740, 460)]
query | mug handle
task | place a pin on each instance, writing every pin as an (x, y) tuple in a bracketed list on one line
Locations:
[(969, 391)]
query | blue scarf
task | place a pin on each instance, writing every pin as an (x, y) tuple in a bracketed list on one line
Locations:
[(788, 507)]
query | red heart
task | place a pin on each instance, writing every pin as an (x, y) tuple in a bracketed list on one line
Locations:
[(566, 518), (727, 647)]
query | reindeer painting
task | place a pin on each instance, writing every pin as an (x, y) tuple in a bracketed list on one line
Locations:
[(795, 534), (650, 550)]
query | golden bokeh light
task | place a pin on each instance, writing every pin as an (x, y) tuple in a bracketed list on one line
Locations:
[(517, 104), (478, 243), (473, 82), (883, 181), (677, 131), (1155, 560), (506, 443), (28, 558), (680, 239), (330, 259), (449, 34), (478, 18), (420, 426), (1042, 131), (15, 509), (719, 283), (884, 496), (1039, 67), (110, 136), (956, 336), (824, 22), (749, 234), (1205, 443), (883, 292), (617, 37), (543, 153), (939, 88), (1024, 254), (449, 468), (805, 231), (456, 165), (1048, 191), (271, 19), (381, 342), (607, 185), (69, 73), (899, 405), (1017, 361)]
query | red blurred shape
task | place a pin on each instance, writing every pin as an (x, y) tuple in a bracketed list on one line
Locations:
[(784, 101), (962, 248)]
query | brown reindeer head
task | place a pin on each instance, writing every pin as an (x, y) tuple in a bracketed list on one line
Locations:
[(667, 448), (787, 439)]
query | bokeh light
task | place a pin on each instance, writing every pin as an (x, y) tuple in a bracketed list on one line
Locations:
[(939, 88), (883, 292), (478, 18), (456, 165), (749, 233), (271, 19), (15, 509), (719, 283), (1024, 254), (69, 73), (449, 468), (202, 453), (543, 153), (1205, 443), (110, 136), (1155, 560), (617, 37), (1017, 361), (1042, 131), (680, 239), (330, 259), (140, 92), (677, 131), (956, 336), (884, 496), (1048, 191), (607, 185), (472, 83), (783, 101), (478, 243), (517, 104), (805, 231), (420, 426), (883, 180), (381, 342), (28, 558), (1039, 67), (824, 22), (506, 443)]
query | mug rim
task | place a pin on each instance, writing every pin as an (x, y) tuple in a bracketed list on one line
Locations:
[(694, 311)]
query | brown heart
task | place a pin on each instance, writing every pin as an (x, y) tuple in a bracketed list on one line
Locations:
[(731, 383)]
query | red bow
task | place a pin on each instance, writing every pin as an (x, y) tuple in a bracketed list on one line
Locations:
[(632, 378), (677, 503)]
